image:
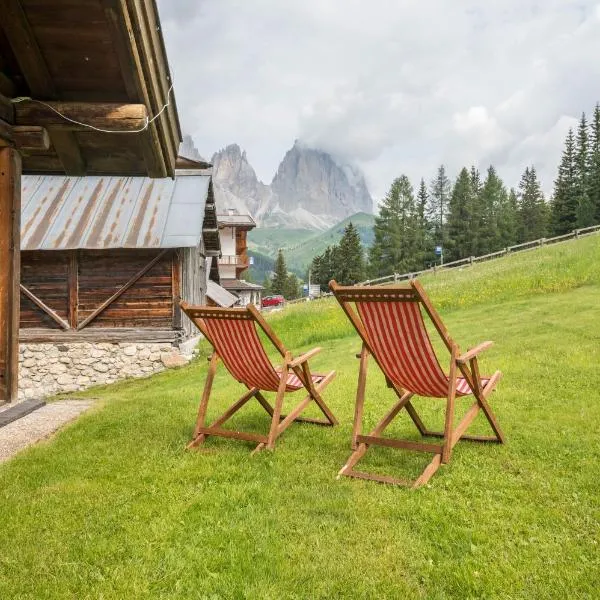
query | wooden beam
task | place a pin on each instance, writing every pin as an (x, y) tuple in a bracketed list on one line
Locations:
[(10, 272), (44, 307), (68, 151), (23, 138), (31, 138), (126, 47), (112, 116)]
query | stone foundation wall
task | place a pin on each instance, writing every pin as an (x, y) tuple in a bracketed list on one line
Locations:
[(47, 369)]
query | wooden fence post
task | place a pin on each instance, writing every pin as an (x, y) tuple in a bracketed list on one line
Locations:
[(10, 272)]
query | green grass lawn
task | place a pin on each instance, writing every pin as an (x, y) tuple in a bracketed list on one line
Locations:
[(113, 508)]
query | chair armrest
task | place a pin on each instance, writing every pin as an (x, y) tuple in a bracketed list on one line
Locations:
[(302, 359), (469, 354)]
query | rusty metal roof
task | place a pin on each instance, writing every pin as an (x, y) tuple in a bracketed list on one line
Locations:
[(68, 213)]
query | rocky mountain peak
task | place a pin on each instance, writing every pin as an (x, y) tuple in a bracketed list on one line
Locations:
[(310, 189), (311, 179)]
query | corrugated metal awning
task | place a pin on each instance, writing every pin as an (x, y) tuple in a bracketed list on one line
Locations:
[(104, 212)]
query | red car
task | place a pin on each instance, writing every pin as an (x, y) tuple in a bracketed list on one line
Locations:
[(277, 300)]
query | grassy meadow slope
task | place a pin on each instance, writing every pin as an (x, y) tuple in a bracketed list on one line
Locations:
[(300, 246), (114, 508)]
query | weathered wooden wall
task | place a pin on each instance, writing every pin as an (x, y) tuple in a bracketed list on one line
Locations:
[(147, 303)]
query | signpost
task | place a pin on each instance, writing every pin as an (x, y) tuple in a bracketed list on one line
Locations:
[(439, 251)]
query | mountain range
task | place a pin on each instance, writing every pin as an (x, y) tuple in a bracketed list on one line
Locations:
[(310, 190)]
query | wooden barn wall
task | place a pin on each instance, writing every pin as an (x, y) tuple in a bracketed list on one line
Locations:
[(147, 303), (193, 283)]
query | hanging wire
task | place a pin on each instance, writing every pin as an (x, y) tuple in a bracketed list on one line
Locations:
[(146, 125)]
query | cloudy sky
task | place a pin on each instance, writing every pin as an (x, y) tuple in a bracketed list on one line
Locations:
[(393, 86)]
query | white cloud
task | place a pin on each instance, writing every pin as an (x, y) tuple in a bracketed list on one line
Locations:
[(396, 86)]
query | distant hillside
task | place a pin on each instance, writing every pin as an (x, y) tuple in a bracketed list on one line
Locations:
[(300, 246)]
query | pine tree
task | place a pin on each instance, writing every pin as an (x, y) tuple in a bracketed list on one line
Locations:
[(565, 200), (475, 215), (493, 200), (508, 220), (423, 248), (459, 234), (393, 247), (585, 208), (594, 163), (280, 278), (439, 197), (532, 210), (351, 263)]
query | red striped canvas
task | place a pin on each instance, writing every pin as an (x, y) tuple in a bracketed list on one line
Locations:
[(237, 343), (399, 339)]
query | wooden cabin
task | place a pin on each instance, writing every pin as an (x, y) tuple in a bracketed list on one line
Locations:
[(85, 88), (106, 259)]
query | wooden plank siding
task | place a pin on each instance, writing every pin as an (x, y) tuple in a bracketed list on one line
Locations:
[(147, 303)]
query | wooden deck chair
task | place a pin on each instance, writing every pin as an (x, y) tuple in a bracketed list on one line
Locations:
[(233, 335), (390, 323)]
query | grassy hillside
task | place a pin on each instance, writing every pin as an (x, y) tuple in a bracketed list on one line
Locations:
[(300, 256), (268, 240), (114, 508), (301, 246)]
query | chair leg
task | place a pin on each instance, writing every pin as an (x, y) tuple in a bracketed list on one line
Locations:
[(360, 395), (278, 406), (482, 395), (197, 438), (316, 396), (450, 409)]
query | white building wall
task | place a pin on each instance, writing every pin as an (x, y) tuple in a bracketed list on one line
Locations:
[(227, 237)]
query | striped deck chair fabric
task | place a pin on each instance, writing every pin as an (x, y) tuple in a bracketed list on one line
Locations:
[(389, 320), (234, 337), (398, 335), (242, 352)]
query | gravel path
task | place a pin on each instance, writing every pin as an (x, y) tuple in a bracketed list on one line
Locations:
[(39, 425)]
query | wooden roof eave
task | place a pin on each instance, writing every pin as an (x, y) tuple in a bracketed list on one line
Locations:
[(144, 76)]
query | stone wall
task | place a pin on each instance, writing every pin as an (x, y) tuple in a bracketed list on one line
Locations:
[(46, 369)]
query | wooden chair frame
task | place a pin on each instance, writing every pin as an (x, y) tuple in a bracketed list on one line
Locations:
[(466, 364), (279, 422)]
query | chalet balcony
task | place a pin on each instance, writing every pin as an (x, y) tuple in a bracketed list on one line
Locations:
[(233, 260)]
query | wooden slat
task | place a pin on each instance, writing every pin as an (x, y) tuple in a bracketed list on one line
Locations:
[(390, 443), (10, 218), (99, 334)]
